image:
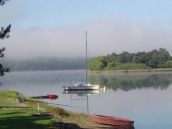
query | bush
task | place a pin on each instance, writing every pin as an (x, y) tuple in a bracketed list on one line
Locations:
[(62, 112), (10, 94), (167, 64)]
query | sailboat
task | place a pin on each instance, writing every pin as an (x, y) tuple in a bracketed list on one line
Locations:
[(86, 85)]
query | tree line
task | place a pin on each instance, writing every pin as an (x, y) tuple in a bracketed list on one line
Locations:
[(157, 58)]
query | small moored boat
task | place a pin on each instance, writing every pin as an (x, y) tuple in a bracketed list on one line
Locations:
[(52, 96), (49, 96), (85, 86), (81, 92), (113, 121), (81, 87)]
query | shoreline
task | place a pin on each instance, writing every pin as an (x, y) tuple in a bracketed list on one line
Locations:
[(48, 116), (134, 71)]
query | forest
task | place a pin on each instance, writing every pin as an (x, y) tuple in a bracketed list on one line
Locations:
[(157, 58)]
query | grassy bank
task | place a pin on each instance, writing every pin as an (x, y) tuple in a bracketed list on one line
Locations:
[(74, 120), (13, 117), (24, 115)]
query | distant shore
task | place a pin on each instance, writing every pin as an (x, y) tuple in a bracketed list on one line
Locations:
[(134, 71)]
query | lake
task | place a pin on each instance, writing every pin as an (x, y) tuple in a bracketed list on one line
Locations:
[(145, 98)]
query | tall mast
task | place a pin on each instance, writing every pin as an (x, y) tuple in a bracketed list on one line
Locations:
[(86, 80)]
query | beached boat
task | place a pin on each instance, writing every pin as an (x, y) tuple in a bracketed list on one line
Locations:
[(113, 121)]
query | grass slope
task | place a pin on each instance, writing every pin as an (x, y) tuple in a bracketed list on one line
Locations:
[(24, 118), (19, 118)]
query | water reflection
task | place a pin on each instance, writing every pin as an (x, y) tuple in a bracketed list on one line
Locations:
[(131, 81), (84, 94)]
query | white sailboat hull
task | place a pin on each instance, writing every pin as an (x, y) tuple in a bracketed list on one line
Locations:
[(82, 87), (85, 86), (81, 92)]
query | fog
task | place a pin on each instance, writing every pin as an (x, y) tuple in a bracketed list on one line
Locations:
[(57, 28), (104, 37)]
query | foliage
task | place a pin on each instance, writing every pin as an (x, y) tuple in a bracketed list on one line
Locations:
[(168, 64), (2, 2), (10, 94), (63, 113), (131, 61), (4, 33), (98, 63), (8, 98)]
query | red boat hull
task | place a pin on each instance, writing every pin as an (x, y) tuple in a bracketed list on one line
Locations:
[(113, 121), (49, 96), (52, 96)]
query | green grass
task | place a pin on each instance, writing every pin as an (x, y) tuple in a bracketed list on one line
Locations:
[(74, 119), (24, 118), (8, 98), (20, 118)]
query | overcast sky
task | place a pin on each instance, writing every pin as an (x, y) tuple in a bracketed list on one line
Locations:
[(55, 28)]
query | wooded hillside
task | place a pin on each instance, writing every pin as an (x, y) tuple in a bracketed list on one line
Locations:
[(157, 58)]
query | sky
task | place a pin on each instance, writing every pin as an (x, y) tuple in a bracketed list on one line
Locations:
[(56, 28)]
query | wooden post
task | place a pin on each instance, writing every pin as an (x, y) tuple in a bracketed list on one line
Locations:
[(38, 107)]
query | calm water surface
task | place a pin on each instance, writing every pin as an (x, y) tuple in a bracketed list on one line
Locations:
[(144, 97)]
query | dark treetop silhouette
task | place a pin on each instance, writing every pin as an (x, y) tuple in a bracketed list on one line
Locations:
[(4, 33)]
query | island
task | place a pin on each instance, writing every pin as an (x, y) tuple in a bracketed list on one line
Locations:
[(157, 59)]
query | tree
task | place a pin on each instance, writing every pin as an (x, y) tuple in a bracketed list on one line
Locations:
[(2, 2), (4, 33), (122, 58), (157, 57), (163, 56)]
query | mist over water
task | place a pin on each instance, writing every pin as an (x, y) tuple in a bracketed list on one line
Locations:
[(45, 64), (143, 97)]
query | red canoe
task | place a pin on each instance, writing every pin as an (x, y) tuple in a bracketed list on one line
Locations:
[(113, 121)]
